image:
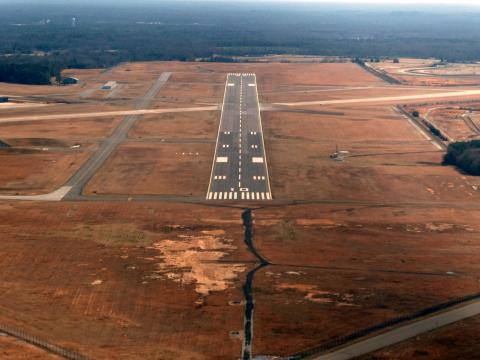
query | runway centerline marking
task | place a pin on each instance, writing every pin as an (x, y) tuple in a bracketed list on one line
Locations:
[(237, 160)]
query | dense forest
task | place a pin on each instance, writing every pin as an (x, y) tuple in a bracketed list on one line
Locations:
[(36, 73), (101, 34), (464, 155)]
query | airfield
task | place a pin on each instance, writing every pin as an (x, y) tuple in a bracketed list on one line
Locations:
[(127, 231)]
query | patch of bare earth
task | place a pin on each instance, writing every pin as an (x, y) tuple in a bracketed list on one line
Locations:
[(96, 278)]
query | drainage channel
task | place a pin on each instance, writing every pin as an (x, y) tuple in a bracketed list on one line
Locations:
[(247, 288)]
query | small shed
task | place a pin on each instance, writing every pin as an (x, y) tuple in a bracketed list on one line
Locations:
[(109, 85), (70, 81)]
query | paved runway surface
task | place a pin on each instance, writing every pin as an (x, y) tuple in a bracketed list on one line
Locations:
[(80, 179), (398, 98), (402, 333), (239, 170)]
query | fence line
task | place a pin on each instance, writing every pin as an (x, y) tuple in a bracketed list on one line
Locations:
[(381, 326), (33, 340)]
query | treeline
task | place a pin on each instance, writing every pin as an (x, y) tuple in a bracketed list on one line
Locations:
[(103, 36), (33, 73), (465, 155)]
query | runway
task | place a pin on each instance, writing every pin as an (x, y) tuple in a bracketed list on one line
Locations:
[(239, 170), (398, 98)]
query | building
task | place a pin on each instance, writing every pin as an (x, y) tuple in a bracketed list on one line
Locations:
[(3, 99), (70, 81), (109, 85)]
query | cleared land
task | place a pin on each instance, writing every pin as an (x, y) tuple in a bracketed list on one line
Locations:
[(179, 126), (430, 72), (146, 282), (12, 349), (44, 154), (381, 231), (151, 168), (459, 122), (35, 171), (338, 269), (387, 159), (446, 343)]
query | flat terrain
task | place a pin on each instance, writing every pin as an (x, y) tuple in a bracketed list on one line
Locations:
[(13, 349), (459, 122), (177, 127), (144, 168), (239, 168), (337, 269), (387, 159), (431, 72), (147, 283), (366, 223), (456, 341)]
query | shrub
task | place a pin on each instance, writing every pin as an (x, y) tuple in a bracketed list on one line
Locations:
[(465, 155)]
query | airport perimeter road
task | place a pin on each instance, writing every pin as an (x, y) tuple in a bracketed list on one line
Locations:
[(78, 181), (402, 333), (239, 170)]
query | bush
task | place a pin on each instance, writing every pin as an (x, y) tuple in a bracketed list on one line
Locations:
[(465, 155)]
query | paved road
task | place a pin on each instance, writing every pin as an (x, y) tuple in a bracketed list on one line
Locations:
[(239, 170), (403, 333), (386, 98), (56, 195), (78, 181)]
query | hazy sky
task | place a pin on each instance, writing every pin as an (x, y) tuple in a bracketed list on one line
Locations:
[(379, 2), (385, 2)]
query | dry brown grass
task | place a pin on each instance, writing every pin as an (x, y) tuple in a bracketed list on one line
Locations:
[(190, 125), (12, 349), (37, 171), (457, 341), (338, 269), (109, 300), (156, 169), (422, 73), (152, 280), (71, 130)]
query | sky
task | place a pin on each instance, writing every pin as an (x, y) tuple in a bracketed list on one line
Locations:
[(385, 2), (379, 2)]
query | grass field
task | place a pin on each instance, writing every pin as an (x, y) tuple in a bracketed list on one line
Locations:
[(384, 232)]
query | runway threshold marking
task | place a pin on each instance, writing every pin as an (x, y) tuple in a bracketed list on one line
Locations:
[(240, 160)]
